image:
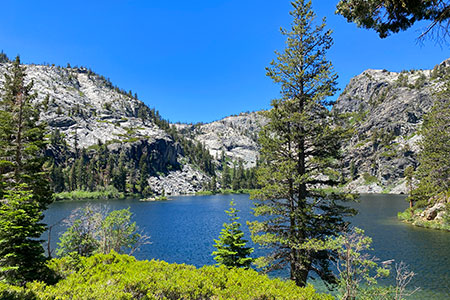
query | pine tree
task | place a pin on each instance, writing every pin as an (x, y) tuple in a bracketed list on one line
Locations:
[(300, 153), (21, 253), (226, 176), (433, 171), (25, 189), (409, 174), (143, 175), (231, 249), (235, 183), (213, 184), (120, 174)]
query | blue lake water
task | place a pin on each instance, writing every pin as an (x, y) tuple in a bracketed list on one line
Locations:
[(182, 230)]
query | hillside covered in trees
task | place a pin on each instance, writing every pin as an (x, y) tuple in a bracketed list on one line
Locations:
[(103, 140)]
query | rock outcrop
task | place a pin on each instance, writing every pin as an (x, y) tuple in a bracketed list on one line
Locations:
[(235, 136), (386, 110), (88, 110)]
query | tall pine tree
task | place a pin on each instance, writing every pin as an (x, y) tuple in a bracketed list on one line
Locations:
[(300, 153), (25, 190)]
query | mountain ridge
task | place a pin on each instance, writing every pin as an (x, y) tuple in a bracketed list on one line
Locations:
[(384, 108)]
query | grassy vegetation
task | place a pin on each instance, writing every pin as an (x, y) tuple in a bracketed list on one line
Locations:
[(387, 190), (414, 219), (115, 276), (332, 190), (104, 193), (158, 198)]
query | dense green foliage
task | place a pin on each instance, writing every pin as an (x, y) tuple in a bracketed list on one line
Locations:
[(103, 172), (22, 141), (109, 192), (97, 169), (24, 187), (115, 276), (92, 231), (415, 219), (238, 177), (231, 247), (21, 252), (392, 16), (300, 153), (433, 172)]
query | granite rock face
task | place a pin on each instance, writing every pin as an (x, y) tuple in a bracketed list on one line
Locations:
[(87, 109), (386, 110), (235, 136)]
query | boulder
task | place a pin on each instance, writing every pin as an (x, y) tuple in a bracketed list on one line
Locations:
[(432, 212), (61, 122)]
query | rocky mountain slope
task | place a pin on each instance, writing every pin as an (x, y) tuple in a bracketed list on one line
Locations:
[(87, 110), (385, 110), (234, 136)]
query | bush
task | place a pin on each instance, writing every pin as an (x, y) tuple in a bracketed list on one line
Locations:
[(369, 179), (9, 292), (108, 192), (115, 276)]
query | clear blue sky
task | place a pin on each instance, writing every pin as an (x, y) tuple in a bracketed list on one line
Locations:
[(196, 60)]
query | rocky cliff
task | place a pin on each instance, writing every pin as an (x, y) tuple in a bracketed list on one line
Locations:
[(385, 110), (87, 110), (234, 136)]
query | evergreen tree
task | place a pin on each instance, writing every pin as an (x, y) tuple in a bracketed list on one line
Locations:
[(21, 253), (433, 171), (73, 177), (226, 176), (120, 175), (57, 178), (300, 153), (409, 173), (3, 58), (213, 184), (24, 190), (392, 16), (231, 249), (235, 183), (143, 174)]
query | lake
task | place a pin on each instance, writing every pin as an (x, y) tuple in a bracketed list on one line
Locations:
[(182, 230)]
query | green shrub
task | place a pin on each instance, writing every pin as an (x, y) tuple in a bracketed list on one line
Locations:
[(115, 276), (9, 292), (369, 179), (108, 192)]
